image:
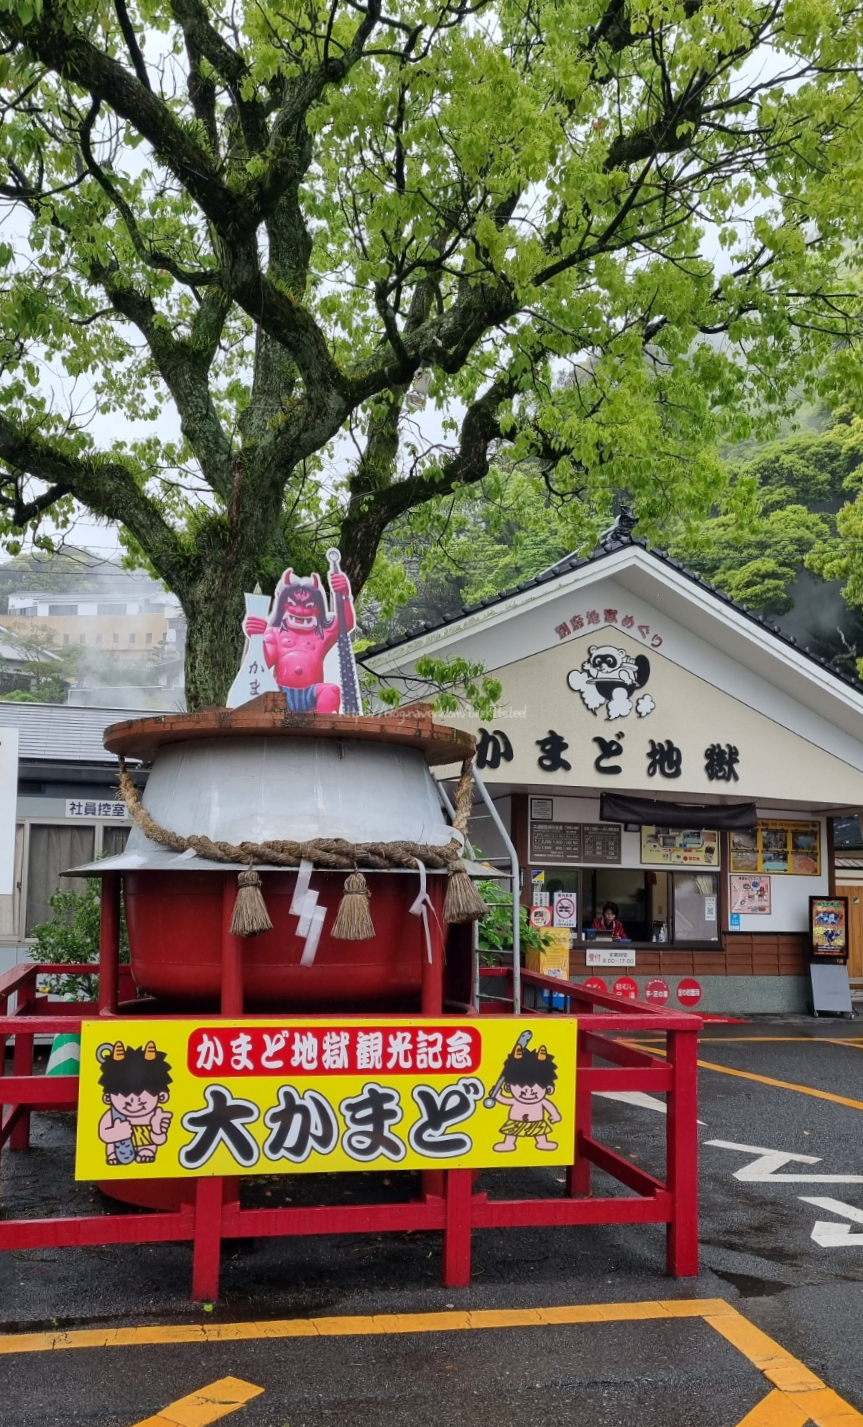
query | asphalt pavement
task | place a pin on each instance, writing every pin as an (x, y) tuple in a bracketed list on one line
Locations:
[(596, 1332)]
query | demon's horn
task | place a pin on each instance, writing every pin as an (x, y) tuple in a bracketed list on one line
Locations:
[(250, 910), (354, 922), (518, 1052), (119, 1051), (463, 902), (150, 1050), (542, 1053)]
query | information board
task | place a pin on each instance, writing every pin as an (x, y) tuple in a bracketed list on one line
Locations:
[(170, 1098), (574, 842), (779, 848), (679, 847)]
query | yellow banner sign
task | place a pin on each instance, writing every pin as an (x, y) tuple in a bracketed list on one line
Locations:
[(171, 1098)]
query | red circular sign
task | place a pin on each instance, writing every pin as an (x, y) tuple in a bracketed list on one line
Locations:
[(595, 983), (689, 991), (625, 986), (657, 990)]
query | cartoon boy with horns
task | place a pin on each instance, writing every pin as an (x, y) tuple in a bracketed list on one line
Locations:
[(526, 1084), (134, 1082)]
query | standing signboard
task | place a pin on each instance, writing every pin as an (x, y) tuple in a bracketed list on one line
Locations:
[(178, 1098), (8, 803), (828, 953)]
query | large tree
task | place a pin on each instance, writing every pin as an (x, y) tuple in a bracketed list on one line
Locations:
[(273, 216)]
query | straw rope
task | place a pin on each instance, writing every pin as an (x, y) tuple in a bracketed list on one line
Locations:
[(332, 852)]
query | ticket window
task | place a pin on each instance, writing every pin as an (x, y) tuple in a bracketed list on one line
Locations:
[(671, 907), (696, 906), (623, 886), (594, 886)]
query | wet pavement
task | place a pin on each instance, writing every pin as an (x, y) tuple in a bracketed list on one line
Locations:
[(642, 1364)]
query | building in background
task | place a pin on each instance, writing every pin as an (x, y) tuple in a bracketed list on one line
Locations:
[(120, 633), (69, 810), (19, 661), (658, 747)]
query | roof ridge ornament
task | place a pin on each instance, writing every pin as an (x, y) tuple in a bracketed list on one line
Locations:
[(620, 533)]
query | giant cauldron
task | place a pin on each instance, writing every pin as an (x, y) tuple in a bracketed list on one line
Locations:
[(262, 774)]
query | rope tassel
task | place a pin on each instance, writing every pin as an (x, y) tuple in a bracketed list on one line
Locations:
[(250, 910), (354, 922), (463, 902)]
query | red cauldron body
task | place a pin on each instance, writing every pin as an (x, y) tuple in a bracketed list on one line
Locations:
[(259, 774), (175, 922)]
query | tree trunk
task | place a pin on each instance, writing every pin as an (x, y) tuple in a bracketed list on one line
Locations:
[(214, 639)]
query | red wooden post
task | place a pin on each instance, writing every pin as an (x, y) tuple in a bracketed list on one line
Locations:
[(22, 1060), (578, 1174), (232, 953), (455, 1268), (681, 1245), (109, 944), (206, 1249)]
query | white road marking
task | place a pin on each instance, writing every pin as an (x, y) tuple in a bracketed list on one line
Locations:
[(835, 1236), (764, 1168), (636, 1097)]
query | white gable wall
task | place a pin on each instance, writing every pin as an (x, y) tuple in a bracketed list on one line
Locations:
[(725, 651)]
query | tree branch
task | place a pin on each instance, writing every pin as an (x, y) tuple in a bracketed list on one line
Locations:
[(370, 511), (107, 487), (132, 45)]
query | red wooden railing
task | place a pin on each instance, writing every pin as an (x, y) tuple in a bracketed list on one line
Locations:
[(606, 1024)]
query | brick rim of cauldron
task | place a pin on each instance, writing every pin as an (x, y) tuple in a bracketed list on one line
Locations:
[(268, 716)]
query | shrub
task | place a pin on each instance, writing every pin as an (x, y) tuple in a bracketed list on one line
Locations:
[(71, 936)]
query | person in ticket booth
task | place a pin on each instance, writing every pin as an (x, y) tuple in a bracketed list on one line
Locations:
[(609, 923), (134, 1081), (529, 1078)]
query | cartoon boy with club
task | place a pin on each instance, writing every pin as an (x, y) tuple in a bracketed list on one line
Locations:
[(525, 1087), (134, 1082)]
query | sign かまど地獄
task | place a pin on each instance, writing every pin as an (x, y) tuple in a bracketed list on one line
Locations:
[(168, 1099)]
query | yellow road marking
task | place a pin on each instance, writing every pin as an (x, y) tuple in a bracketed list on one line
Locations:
[(763, 1079), (796, 1390), (775, 1410), (207, 1405), (447, 1322), (782, 1084)]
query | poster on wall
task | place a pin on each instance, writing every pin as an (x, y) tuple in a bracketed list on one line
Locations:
[(828, 927), (565, 910), (679, 847), (750, 895), (778, 848)]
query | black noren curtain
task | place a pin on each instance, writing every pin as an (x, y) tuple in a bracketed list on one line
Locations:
[(615, 808)]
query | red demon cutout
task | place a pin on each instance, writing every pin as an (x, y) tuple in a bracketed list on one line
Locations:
[(298, 635)]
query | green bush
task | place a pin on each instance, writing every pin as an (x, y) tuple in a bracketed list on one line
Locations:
[(71, 936), (495, 929)]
